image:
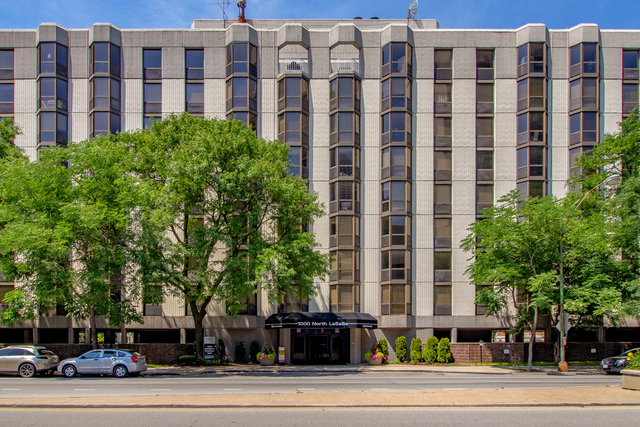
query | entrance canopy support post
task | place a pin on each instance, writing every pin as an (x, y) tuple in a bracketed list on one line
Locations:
[(356, 346)]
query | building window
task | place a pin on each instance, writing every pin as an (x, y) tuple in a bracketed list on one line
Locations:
[(531, 93), (629, 97), (242, 58), (574, 154), (345, 265), (106, 59), (396, 163), (344, 231), (484, 132), (293, 127), (395, 196), (53, 93), (194, 62), (248, 305), (345, 162), (53, 128), (442, 300), (195, 98), (531, 128), (484, 165), (104, 123), (583, 59), (531, 162), (152, 98), (396, 265), (531, 189), (53, 59), (442, 97), (442, 163), (242, 92), (442, 130), (344, 196), (396, 93), (396, 59), (484, 98), (293, 302), (344, 298), (442, 232), (396, 231), (531, 59), (484, 197), (396, 127), (293, 92), (396, 300), (148, 121), (6, 64), (152, 64), (629, 64), (344, 128), (299, 162), (246, 117), (583, 94), (6, 98), (484, 64), (344, 94), (583, 128), (105, 93), (442, 199), (442, 267), (443, 67)]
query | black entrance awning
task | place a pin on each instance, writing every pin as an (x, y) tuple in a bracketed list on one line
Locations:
[(321, 320)]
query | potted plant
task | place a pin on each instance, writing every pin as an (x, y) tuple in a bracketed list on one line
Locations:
[(375, 356), (267, 356)]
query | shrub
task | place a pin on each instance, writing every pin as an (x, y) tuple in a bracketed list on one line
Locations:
[(416, 350), (254, 349), (222, 350), (430, 353), (375, 352), (187, 359), (401, 349), (240, 352), (383, 346), (444, 350), (633, 361)]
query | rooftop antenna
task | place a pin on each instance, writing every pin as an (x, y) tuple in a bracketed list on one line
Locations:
[(241, 5), (413, 9), (223, 4)]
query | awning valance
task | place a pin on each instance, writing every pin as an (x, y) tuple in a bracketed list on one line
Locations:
[(321, 320)]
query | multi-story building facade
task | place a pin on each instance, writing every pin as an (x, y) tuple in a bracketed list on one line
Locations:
[(406, 131)]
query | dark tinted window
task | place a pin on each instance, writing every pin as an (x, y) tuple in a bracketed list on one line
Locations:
[(5, 352), (92, 354)]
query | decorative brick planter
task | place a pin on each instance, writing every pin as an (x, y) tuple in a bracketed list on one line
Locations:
[(266, 361), (377, 361), (631, 379)]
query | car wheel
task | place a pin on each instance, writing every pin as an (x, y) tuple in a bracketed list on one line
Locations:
[(27, 370), (69, 371), (120, 371)]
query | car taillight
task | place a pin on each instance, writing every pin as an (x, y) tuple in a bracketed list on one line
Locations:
[(134, 359)]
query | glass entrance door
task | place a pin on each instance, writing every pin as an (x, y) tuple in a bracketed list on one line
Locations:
[(320, 347)]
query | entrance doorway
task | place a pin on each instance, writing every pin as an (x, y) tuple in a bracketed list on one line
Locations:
[(320, 346)]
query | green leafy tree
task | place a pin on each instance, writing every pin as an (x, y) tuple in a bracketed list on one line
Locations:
[(516, 255), (444, 351), (416, 350), (8, 132), (430, 353), (71, 232), (401, 349), (227, 219)]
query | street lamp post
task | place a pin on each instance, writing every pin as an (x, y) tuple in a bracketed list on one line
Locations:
[(562, 366)]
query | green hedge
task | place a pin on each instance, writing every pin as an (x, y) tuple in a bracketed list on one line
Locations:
[(416, 350), (430, 353), (444, 350), (401, 349)]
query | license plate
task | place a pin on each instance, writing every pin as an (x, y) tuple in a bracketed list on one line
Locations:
[(605, 366)]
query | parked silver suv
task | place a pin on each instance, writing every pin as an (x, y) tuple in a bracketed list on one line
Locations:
[(118, 362), (27, 360)]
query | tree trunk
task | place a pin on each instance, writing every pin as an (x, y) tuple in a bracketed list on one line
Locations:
[(532, 339), (198, 317), (92, 324)]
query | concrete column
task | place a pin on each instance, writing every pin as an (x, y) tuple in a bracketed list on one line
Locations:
[(602, 334), (285, 341), (454, 335), (70, 336), (36, 336), (355, 356), (513, 337), (183, 336)]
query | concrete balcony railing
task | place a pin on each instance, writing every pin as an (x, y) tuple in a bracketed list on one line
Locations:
[(345, 66), (293, 65)]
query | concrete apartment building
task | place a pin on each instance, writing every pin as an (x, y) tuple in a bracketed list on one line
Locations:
[(405, 130)]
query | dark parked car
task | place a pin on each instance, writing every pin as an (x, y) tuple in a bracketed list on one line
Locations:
[(613, 365), (27, 360), (118, 362)]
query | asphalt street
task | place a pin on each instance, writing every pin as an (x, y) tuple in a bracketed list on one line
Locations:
[(287, 382)]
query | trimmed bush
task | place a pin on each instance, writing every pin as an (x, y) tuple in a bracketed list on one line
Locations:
[(188, 359), (444, 350), (430, 353), (383, 345), (401, 349), (222, 350), (240, 352), (416, 350), (254, 349)]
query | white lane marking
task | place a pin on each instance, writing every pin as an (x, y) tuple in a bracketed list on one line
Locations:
[(231, 389), (306, 389)]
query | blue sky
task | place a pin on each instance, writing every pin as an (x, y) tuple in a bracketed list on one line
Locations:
[(556, 14)]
